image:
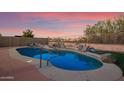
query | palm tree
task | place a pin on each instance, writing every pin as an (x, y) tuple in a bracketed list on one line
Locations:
[(28, 33)]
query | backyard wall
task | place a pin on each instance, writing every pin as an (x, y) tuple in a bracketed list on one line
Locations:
[(20, 41), (109, 47)]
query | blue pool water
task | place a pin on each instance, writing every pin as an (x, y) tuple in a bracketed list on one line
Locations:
[(67, 60)]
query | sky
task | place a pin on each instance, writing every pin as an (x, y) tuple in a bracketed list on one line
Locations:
[(51, 24)]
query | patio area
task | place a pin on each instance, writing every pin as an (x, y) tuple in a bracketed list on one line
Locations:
[(13, 69), (31, 71)]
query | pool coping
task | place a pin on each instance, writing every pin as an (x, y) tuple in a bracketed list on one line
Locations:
[(108, 72)]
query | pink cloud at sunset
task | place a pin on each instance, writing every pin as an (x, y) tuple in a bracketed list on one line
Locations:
[(51, 24)]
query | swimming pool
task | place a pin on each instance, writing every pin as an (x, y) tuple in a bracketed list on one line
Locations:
[(67, 60)]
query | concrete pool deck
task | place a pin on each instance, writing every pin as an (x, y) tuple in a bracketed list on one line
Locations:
[(12, 69), (108, 72)]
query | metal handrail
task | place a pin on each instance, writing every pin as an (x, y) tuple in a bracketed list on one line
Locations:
[(41, 57)]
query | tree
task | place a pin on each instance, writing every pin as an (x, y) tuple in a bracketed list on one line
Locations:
[(0, 34), (120, 23), (106, 31), (59, 42), (89, 32), (28, 33), (80, 40)]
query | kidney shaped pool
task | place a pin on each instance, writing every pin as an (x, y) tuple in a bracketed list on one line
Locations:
[(67, 60)]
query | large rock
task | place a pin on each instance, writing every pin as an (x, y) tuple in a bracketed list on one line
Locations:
[(107, 58)]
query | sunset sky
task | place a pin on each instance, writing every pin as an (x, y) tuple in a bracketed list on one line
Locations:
[(50, 24)]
